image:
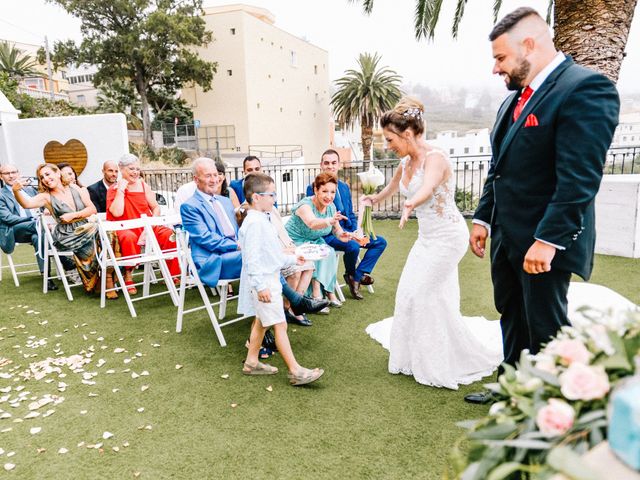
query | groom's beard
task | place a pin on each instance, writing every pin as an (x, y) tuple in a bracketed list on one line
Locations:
[(518, 75)]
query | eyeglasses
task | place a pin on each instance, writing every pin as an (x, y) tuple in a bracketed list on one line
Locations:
[(273, 195), (12, 172)]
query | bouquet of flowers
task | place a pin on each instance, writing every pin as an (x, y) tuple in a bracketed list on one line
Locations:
[(371, 180), (554, 404)]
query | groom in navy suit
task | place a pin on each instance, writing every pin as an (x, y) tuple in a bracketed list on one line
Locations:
[(549, 144), (212, 227)]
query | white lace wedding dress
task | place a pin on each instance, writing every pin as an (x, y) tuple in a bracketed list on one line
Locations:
[(429, 338)]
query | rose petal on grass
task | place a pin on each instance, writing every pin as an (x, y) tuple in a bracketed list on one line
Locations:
[(118, 350), (9, 466), (41, 450), (134, 375), (125, 444), (115, 449), (144, 387), (178, 366), (110, 371), (269, 388), (62, 450), (144, 373), (224, 375), (35, 430), (107, 435), (141, 409), (234, 405), (83, 412)]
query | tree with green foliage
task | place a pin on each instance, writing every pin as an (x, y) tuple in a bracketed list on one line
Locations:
[(593, 32), (15, 63), (147, 44), (363, 95)]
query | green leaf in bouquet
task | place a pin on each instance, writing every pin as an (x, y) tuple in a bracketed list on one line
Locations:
[(526, 443), (506, 469), (490, 460), (495, 388), (509, 372), (632, 347), (591, 416), (595, 436), (498, 431), (570, 463)]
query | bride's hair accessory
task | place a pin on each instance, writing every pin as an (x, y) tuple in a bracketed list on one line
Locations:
[(413, 112)]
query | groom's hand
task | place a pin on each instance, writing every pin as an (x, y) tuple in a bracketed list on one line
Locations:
[(478, 239), (538, 258)]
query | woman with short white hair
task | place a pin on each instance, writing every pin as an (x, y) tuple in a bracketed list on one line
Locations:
[(130, 198)]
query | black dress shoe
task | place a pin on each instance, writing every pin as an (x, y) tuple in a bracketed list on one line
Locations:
[(51, 286), (309, 305), (366, 279), (481, 397), (292, 319), (354, 287)]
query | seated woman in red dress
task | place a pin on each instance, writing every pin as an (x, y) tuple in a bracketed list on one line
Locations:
[(130, 198)]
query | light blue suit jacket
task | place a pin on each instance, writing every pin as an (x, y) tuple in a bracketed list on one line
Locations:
[(215, 255), (10, 216)]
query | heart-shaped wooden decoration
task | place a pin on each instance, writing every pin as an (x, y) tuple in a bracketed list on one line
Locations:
[(72, 152)]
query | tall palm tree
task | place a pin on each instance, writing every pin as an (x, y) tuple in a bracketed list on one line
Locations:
[(15, 63), (364, 95), (594, 33)]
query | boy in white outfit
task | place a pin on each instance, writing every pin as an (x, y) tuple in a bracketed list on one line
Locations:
[(260, 287)]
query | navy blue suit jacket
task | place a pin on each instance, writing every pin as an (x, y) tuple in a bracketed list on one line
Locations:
[(10, 216)]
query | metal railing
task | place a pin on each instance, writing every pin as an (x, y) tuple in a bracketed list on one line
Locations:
[(292, 180)]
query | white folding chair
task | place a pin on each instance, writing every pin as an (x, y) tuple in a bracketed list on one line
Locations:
[(189, 277), (339, 285), (150, 254), (15, 268), (46, 224)]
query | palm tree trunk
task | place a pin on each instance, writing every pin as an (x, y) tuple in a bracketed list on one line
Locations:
[(144, 103), (366, 138), (594, 32)]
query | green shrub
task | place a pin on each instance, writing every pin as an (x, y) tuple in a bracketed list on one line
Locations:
[(172, 156)]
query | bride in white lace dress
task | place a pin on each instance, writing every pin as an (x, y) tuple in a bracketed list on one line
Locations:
[(429, 338)]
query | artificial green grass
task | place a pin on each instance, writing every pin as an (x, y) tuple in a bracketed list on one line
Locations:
[(358, 421)]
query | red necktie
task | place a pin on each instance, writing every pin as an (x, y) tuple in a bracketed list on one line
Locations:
[(528, 91)]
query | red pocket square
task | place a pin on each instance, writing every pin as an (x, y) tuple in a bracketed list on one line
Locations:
[(531, 121)]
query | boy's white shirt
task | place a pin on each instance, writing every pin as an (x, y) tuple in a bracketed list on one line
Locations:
[(262, 255)]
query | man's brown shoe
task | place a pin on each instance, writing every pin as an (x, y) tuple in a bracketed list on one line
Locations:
[(366, 279), (354, 287)]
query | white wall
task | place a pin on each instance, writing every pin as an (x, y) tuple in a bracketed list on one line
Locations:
[(104, 137)]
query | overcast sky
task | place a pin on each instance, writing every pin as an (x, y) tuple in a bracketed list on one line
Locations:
[(341, 28)]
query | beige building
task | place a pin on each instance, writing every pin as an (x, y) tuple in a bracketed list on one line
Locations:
[(38, 86), (270, 96)]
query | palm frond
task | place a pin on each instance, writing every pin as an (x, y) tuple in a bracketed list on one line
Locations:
[(496, 9), (367, 5), (457, 17)]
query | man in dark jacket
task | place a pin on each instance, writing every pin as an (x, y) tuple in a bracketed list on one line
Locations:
[(98, 190)]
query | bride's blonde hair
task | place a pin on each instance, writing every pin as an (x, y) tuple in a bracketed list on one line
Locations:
[(408, 113)]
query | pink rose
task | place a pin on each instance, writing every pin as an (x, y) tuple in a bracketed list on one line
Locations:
[(569, 351), (581, 382), (555, 418)]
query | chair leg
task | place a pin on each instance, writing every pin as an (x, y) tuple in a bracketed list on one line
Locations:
[(212, 315), (223, 290), (13, 270), (338, 291)]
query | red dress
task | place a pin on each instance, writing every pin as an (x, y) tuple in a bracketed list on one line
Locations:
[(136, 205)]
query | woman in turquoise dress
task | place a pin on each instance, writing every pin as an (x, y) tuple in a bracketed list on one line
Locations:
[(313, 218)]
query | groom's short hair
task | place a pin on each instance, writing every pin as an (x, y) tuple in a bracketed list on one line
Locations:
[(511, 20)]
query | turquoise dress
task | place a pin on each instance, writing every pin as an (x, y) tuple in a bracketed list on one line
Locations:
[(325, 271)]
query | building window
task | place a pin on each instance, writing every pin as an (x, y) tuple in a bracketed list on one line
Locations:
[(280, 109), (286, 177), (81, 99), (300, 112), (315, 69), (233, 31), (258, 106), (230, 72), (269, 76), (294, 58), (451, 150), (466, 149), (283, 80), (481, 149)]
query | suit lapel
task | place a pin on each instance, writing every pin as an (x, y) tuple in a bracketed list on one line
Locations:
[(209, 209), (502, 122), (12, 199), (537, 97)]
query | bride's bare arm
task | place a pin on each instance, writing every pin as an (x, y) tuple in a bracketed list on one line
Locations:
[(390, 189), (435, 172)]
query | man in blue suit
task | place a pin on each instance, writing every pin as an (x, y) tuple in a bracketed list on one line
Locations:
[(250, 164), (354, 275), (16, 223), (212, 227)]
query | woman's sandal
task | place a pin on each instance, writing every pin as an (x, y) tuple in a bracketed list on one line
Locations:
[(304, 376), (258, 369), (132, 290)]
